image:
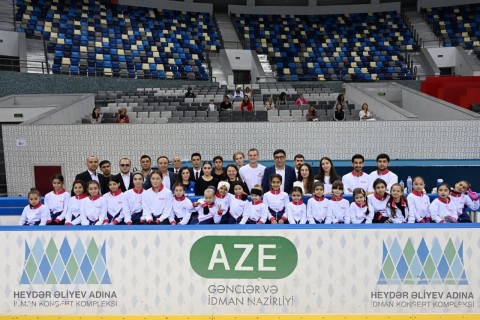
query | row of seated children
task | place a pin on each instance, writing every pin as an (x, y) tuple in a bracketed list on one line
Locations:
[(159, 205)]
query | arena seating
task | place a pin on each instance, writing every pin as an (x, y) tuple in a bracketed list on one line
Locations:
[(101, 39), (456, 25), (351, 47)]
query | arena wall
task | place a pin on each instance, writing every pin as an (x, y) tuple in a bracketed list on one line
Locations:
[(69, 145)]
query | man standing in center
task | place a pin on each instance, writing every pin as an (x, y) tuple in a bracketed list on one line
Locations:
[(287, 172), (126, 179), (169, 177), (253, 172)]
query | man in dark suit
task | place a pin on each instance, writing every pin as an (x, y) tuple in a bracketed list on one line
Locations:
[(287, 172), (126, 177), (90, 173), (196, 169), (104, 177), (168, 177)]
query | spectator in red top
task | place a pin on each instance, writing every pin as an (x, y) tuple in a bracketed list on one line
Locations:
[(301, 101), (122, 116), (246, 104)]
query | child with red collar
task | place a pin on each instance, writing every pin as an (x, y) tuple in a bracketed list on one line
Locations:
[(378, 200), (206, 207), (133, 209), (397, 206), (57, 201), (223, 199), (296, 210), (256, 211), (338, 207), (182, 206), (238, 203), (317, 206), (72, 214), (276, 201), (93, 210), (443, 209), (35, 213), (360, 211), (156, 201), (418, 201), (115, 202), (463, 197)]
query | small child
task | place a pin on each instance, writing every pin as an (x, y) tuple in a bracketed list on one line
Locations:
[(443, 209), (206, 207), (463, 197), (72, 215), (237, 205), (338, 208), (93, 209), (156, 201), (57, 200), (115, 201), (182, 206), (378, 201), (223, 199), (397, 206), (211, 105), (418, 201), (360, 211), (276, 200), (35, 213), (317, 206), (133, 200), (296, 210), (256, 211)]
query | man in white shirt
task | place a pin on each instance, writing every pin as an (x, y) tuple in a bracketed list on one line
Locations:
[(252, 173), (382, 172), (357, 178)]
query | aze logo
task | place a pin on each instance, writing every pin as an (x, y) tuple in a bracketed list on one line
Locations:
[(243, 257), (423, 264), (65, 264)]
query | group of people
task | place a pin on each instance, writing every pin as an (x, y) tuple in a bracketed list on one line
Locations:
[(161, 196)]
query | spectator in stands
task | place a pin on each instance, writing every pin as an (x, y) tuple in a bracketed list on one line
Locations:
[(104, 177), (177, 163), (366, 115), (287, 172), (252, 173), (282, 99), (226, 105), (238, 93), (232, 176), (125, 176), (122, 116), (146, 165), (238, 157), (312, 114), (246, 104), (212, 106), (247, 91), (218, 167), (339, 114), (96, 116), (341, 100), (269, 104), (189, 93), (301, 101), (196, 170), (327, 174)]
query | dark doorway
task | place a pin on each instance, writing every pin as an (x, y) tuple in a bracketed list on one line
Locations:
[(241, 76)]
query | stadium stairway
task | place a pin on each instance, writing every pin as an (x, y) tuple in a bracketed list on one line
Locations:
[(420, 28), (6, 16)]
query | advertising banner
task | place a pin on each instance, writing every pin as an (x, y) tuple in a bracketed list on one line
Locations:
[(273, 270)]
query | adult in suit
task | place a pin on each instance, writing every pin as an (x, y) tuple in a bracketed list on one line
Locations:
[(196, 169), (104, 177), (90, 173), (177, 163), (126, 177), (287, 172), (168, 177)]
